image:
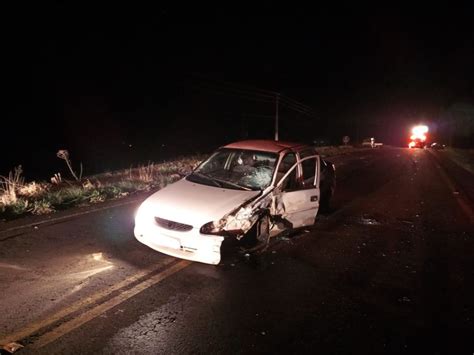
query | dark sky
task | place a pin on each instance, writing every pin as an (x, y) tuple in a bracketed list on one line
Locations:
[(94, 79)]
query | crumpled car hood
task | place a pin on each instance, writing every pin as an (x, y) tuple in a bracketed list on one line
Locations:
[(195, 204)]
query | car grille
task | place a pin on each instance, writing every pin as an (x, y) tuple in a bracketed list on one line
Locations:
[(175, 226)]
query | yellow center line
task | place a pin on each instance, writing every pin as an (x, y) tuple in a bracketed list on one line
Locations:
[(36, 326), (85, 317)]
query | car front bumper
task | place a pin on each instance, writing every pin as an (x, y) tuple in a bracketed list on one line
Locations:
[(190, 245)]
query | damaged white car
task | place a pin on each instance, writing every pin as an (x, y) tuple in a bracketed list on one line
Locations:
[(248, 190)]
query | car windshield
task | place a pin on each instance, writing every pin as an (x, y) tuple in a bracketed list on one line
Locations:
[(236, 169)]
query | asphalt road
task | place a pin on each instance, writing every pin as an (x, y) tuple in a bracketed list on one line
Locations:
[(389, 270)]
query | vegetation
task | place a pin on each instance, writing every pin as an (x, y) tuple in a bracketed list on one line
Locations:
[(18, 198), (64, 155)]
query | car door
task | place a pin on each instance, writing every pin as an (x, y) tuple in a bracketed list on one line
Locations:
[(297, 199)]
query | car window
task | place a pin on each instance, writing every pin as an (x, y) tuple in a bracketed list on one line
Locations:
[(238, 168), (216, 162), (309, 172), (291, 182), (308, 167)]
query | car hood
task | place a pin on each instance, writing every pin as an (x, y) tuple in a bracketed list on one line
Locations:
[(195, 204)]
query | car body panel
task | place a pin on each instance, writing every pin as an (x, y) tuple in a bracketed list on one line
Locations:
[(190, 220), (300, 207), (192, 246), (195, 204)]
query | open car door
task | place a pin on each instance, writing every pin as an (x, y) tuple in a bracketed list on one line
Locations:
[(297, 201)]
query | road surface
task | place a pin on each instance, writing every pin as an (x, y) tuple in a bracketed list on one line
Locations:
[(389, 270)]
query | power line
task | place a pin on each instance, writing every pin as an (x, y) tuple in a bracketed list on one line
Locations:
[(232, 90), (258, 95), (297, 108), (240, 88), (241, 96), (309, 114), (296, 103)]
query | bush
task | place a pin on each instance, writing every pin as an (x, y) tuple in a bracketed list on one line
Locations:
[(67, 196), (42, 207), (19, 207), (17, 198)]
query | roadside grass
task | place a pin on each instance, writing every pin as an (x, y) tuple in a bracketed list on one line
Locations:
[(19, 198), (328, 151), (9, 186)]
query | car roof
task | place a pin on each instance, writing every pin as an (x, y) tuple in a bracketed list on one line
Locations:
[(265, 145)]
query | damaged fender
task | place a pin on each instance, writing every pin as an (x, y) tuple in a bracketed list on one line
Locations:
[(238, 222)]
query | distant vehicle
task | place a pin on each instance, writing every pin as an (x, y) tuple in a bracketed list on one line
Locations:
[(417, 143), (436, 145), (418, 137), (370, 142), (249, 190)]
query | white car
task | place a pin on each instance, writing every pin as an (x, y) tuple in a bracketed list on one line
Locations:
[(249, 190)]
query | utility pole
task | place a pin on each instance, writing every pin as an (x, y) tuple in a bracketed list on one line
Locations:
[(277, 98)]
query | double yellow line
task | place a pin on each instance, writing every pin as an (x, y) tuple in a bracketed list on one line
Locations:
[(45, 332)]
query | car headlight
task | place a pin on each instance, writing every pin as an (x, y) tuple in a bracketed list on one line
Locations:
[(215, 228), (144, 214), (210, 228)]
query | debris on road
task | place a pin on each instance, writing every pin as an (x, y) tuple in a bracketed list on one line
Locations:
[(369, 221), (12, 347)]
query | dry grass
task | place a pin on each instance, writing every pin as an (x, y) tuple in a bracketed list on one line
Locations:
[(41, 207), (18, 198), (329, 151), (33, 189), (143, 173), (10, 185)]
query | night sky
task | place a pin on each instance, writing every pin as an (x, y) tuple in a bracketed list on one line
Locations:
[(119, 85)]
